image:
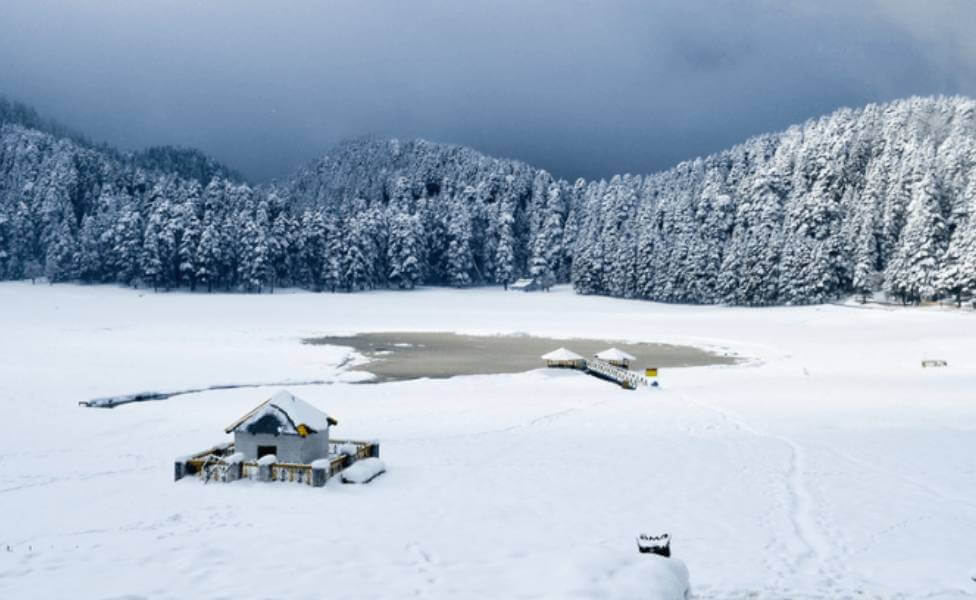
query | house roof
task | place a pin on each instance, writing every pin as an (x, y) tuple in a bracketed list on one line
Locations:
[(614, 354), (562, 354), (292, 411)]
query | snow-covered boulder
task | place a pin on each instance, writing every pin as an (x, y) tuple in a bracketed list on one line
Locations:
[(363, 471), (638, 577)]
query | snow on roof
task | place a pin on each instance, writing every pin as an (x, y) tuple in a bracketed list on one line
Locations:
[(614, 354), (290, 410), (562, 354)]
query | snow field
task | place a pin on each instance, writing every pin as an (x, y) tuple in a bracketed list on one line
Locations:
[(830, 466)]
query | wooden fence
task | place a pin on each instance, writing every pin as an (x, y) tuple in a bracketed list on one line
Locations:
[(214, 464)]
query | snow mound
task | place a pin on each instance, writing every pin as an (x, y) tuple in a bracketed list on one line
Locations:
[(349, 449), (267, 459), (363, 471), (642, 577)]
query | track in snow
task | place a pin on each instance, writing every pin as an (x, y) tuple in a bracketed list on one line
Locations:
[(815, 556)]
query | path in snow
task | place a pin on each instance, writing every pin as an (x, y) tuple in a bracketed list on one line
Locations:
[(815, 554)]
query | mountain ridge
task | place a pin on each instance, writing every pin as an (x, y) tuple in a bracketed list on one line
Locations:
[(857, 201)]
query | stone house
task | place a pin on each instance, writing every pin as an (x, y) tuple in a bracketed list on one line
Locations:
[(283, 426)]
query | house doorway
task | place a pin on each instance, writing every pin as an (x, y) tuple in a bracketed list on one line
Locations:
[(266, 450)]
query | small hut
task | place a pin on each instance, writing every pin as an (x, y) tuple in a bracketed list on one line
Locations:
[(283, 426), (564, 358), (615, 357)]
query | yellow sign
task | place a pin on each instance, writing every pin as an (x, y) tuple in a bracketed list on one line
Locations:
[(650, 372)]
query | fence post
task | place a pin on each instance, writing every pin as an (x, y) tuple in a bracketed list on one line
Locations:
[(320, 471), (264, 467)]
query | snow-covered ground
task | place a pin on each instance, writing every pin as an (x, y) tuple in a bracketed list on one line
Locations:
[(831, 466)]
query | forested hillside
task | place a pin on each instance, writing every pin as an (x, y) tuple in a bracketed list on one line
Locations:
[(878, 198)]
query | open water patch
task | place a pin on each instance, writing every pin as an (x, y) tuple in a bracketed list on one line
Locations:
[(403, 355)]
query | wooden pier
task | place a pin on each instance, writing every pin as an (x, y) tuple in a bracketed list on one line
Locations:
[(629, 380)]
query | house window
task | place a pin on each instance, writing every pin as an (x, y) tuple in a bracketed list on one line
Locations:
[(266, 450)]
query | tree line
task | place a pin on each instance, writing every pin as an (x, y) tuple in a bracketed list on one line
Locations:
[(878, 199)]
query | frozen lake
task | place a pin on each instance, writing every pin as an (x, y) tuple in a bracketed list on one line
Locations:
[(400, 355)]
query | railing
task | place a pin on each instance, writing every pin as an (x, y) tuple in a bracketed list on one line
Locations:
[(218, 464), (291, 472), (628, 379)]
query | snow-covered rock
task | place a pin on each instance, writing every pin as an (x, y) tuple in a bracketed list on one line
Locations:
[(363, 471)]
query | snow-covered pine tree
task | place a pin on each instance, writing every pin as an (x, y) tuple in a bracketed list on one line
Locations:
[(253, 267), (151, 256), (313, 249), (279, 247), (188, 247), (89, 259), (62, 251), (209, 258), (911, 274), (957, 274), (405, 251), (460, 262), (355, 263), (335, 250), (505, 247), (127, 245)]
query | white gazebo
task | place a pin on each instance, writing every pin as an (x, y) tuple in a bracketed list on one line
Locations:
[(564, 358), (616, 357)]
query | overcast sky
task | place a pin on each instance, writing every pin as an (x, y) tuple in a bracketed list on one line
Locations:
[(580, 88)]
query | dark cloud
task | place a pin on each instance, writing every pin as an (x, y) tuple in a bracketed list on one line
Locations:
[(583, 88)]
